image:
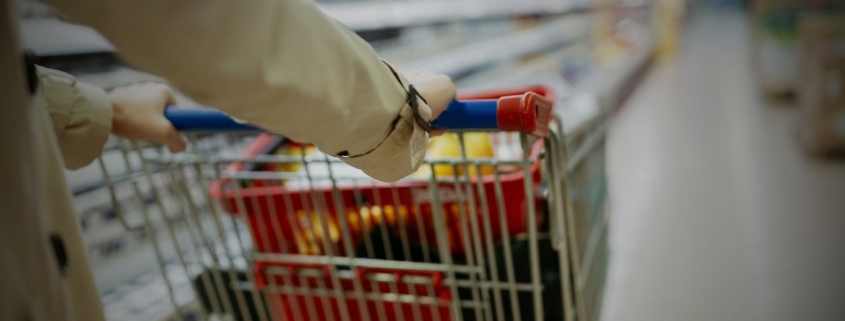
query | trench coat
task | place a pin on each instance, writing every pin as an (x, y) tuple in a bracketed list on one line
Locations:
[(279, 64)]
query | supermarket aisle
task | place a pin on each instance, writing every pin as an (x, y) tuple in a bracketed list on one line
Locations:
[(716, 214)]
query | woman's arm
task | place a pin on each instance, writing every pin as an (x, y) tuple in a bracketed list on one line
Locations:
[(84, 115), (81, 116), (280, 64)]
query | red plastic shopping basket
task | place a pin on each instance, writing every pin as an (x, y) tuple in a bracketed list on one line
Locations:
[(266, 205)]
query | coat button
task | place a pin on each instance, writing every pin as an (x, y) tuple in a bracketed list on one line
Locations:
[(60, 252)]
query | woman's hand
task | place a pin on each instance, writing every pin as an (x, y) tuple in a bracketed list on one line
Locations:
[(438, 91), (138, 114)]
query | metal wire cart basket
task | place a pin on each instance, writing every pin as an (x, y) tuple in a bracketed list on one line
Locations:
[(494, 226)]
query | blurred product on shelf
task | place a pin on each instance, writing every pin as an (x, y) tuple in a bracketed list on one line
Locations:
[(602, 35), (669, 17), (822, 90), (777, 39), (614, 31)]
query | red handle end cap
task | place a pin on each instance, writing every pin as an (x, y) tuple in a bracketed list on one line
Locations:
[(530, 113)]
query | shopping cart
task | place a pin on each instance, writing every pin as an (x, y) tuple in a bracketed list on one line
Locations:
[(287, 233)]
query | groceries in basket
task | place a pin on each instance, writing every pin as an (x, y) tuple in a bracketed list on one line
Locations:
[(309, 232), (444, 150), (476, 145)]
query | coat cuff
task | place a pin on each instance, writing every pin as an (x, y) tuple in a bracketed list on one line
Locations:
[(403, 151), (81, 114), (400, 154)]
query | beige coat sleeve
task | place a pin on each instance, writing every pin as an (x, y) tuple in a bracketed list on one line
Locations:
[(280, 64), (81, 114)]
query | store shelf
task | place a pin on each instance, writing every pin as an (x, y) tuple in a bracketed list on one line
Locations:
[(374, 15), (612, 84), (360, 16), (476, 55)]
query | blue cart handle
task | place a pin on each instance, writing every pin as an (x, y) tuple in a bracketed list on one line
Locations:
[(510, 113), (206, 120)]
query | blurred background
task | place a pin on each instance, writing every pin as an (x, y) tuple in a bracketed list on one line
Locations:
[(706, 140)]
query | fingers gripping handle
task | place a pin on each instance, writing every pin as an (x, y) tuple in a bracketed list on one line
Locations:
[(529, 113)]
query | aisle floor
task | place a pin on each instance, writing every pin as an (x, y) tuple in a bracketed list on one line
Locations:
[(716, 214)]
